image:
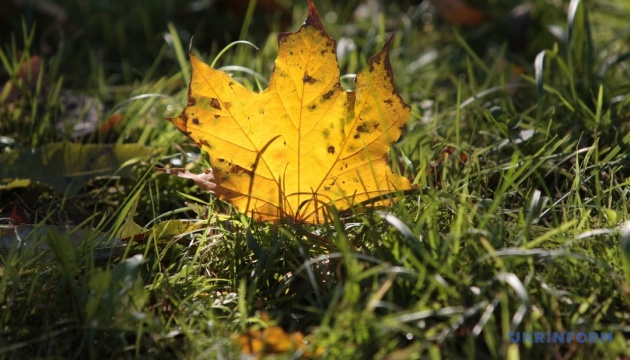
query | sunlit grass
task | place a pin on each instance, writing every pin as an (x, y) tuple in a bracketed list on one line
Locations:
[(523, 188)]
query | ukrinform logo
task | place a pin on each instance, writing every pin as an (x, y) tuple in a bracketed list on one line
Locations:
[(560, 337)]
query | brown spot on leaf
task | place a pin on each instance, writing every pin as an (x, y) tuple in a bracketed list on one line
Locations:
[(227, 105), (214, 102), (216, 116), (196, 121), (389, 102), (312, 107), (357, 136), (204, 143), (191, 101), (308, 80), (362, 128), (327, 95), (331, 149), (239, 170)]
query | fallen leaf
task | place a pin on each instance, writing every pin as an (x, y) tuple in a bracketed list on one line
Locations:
[(20, 216), (67, 167), (304, 142), (15, 184), (166, 230), (27, 76), (457, 11), (273, 340), (111, 123)]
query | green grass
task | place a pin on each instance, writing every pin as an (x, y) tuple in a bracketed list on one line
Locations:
[(526, 235)]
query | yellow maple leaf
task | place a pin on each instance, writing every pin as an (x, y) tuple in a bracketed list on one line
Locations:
[(303, 143)]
